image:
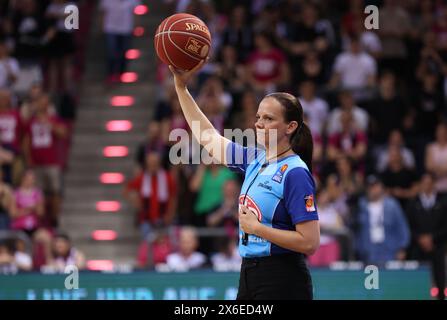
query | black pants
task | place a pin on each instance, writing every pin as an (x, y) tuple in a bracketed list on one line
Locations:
[(278, 277)]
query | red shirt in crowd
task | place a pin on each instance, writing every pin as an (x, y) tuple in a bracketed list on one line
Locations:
[(266, 66), (155, 191), (44, 144), (347, 141), (10, 129)]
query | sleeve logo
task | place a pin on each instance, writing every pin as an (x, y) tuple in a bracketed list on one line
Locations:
[(309, 202)]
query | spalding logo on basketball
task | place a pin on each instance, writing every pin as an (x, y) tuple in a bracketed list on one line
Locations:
[(182, 40), (250, 204)]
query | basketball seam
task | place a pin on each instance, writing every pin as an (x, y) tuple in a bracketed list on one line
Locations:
[(158, 38), (164, 47), (185, 33)]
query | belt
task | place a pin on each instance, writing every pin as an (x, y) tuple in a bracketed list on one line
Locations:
[(274, 258)]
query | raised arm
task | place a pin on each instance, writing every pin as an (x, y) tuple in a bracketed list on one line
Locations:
[(201, 127)]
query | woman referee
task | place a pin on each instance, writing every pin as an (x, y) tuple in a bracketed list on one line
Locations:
[(278, 218)]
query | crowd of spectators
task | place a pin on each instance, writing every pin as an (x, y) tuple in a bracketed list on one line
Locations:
[(375, 101), (41, 62)]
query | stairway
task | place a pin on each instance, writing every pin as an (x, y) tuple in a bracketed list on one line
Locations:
[(83, 188)]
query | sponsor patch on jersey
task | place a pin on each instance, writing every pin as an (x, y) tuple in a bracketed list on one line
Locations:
[(309, 202), (277, 177)]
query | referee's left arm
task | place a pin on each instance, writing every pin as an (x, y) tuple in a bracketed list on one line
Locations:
[(305, 239)]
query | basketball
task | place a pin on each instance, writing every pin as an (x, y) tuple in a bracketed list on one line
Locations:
[(182, 40)]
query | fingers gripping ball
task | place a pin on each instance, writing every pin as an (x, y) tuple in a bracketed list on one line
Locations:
[(182, 40)]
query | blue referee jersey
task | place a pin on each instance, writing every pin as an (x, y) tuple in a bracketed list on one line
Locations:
[(281, 195)]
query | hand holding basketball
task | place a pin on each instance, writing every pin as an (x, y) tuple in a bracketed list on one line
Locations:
[(181, 78)]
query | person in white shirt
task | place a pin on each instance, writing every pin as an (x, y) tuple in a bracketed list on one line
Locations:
[(361, 117), (186, 258), (118, 23), (354, 70), (314, 107), (9, 68)]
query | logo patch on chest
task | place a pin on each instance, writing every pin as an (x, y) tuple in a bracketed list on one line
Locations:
[(279, 174)]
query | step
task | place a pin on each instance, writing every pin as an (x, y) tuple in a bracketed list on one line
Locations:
[(118, 252)]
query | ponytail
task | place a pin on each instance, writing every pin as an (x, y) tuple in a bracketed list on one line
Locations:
[(302, 144)]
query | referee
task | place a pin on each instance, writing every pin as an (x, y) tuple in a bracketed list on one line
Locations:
[(278, 218)]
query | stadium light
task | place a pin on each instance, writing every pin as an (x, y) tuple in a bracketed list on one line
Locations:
[(141, 10), (118, 125), (104, 235), (115, 151), (122, 101), (133, 54), (111, 178), (108, 206), (100, 265), (138, 31), (129, 77)]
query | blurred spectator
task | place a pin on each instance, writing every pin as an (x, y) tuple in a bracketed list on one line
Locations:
[(186, 258), (6, 203), (311, 69), (349, 180), (29, 104), (64, 255), (354, 69), (155, 250), (401, 182), (382, 233), (60, 48), (22, 259), (238, 34), (440, 29), (350, 141), (331, 223), (42, 152), (29, 210), (430, 59), (435, 158), (227, 214), (387, 110), (315, 108), (354, 13), (117, 18), (153, 141), (10, 135), (231, 71), (227, 258), (9, 67), (361, 117), (393, 31), (152, 193), (213, 86), (215, 22), (245, 118), (429, 105), (306, 33), (395, 140), (267, 67), (208, 182), (428, 222), (369, 40), (30, 33), (7, 262)]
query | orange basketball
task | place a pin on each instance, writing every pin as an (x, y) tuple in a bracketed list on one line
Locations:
[(182, 40)]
